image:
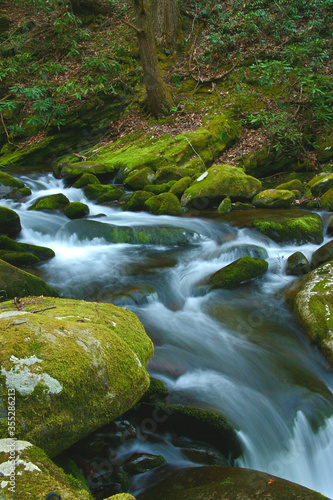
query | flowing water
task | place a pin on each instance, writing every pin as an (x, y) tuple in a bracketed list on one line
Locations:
[(238, 352)]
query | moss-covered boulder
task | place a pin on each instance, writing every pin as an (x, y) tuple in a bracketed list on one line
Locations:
[(8, 184), (273, 198), (76, 210), (138, 179), (10, 223), (17, 283), (239, 271), (121, 496), (226, 483), (43, 253), (159, 188), (225, 206), (326, 201), (322, 255), (19, 259), (102, 193), (36, 475), (297, 264), (311, 300), (74, 169), (137, 201), (265, 162), (180, 186), (51, 202), (79, 364), (19, 194), (242, 206), (176, 173), (218, 182), (324, 148), (294, 184), (164, 204), (144, 235), (86, 179), (320, 184)]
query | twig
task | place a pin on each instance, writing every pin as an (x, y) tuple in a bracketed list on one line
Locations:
[(5, 129), (195, 151), (132, 26), (216, 78), (44, 309), (84, 158)]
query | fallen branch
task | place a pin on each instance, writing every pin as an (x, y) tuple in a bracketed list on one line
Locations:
[(216, 78), (44, 309), (132, 26), (5, 129)]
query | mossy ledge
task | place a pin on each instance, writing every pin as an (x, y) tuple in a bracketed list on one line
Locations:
[(78, 364)]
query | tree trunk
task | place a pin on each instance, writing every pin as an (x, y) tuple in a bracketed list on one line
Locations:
[(158, 95), (75, 4), (165, 22)]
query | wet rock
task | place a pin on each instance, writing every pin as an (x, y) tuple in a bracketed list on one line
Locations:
[(226, 483), (10, 224), (76, 210), (35, 473), (8, 184), (18, 194), (224, 206), (311, 300), (156, 392), (51, 202), (43, 253), (242, 206), (19, 259), (292, 185), (17, 283), (146, 235), (239, 271), (218, 182), (159, 188), (102, 193), (81, 362), (297, 264), (273, 198), (322, 255), (143, 462), (138, 295), (326, 201), (321, 184), (138, 179), (330, 227), (137, 201), (246, 249), (86, 179), (164, 204), (180, 186)]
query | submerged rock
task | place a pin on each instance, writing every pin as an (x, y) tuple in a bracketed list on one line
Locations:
[(273, 198), (17, 283), (79, 364), (144, 235), (239, 271), (226, 483), (297, 264), (140, 463), (218, 182), (311, 300), (10, 223), (35, 474)]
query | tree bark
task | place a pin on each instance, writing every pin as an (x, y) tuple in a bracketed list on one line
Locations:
[(158, 95), (165, 15)]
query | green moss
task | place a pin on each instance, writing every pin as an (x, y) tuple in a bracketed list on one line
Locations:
[(137, 201), (10, 223), (322, 185), (51, 202), (242, 206), (157, 391), (8, 180), (86, 179), (102, 193), (300, 230), (265, 162), (164, 204), (224, 206), (37, 475), (239, 271), (273, 198), (176, 173), (18, 258), (159, 188), (17, 283), (138, 179), (93, 355), (326, 201), (43, 253), (180, 186), (76, 210), (292, 185), (75, 169), (218, 182)]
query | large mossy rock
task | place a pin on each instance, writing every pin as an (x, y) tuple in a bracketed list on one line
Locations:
[(137, 201), (138, 179), (43, 253), (218, 182), (102, 193), (311, 300), (36, 475), (17, 283), (326, 201), (239, 271), (273, 198), (76, 210), (51, 202), (86, 179), (176, 173), (320, 184), (294, 184), (164, 204), (8, 184), (78, 364), (144, 235), (226, 483), (10, 224)]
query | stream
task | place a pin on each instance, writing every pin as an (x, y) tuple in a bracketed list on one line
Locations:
[(238, 352)]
